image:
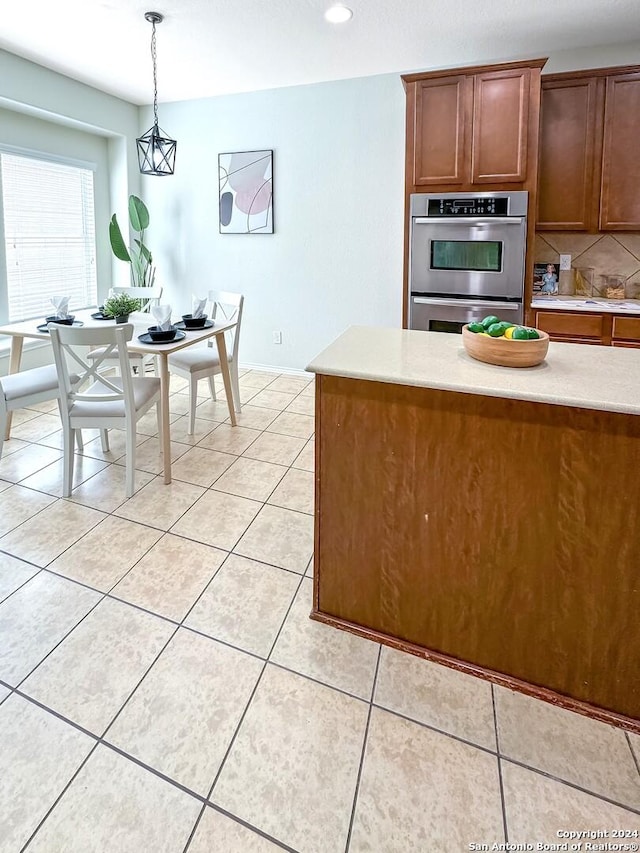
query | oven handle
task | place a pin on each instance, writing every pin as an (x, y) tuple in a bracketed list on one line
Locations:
[(467, 220), (461, 303)]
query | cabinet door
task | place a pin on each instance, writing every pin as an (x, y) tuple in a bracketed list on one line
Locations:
[(620, 198), (570, 145), (627, 328), (440, 119), (500, 126)]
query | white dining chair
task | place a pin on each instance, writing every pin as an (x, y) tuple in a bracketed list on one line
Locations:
[(27, 388), (196, 363), (109, 402), (149, 296)]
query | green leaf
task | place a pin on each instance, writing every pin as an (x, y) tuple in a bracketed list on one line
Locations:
[(138, 270), (146, 254), (138, 213), (117, 243)]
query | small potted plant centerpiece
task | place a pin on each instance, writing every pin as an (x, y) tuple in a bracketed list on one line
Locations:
[(119, 306)]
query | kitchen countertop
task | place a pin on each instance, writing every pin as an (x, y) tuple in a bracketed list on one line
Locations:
[(582, 303), (594, 377)]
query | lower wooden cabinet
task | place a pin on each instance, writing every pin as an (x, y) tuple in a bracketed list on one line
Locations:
[(580, 328), (474, 530)]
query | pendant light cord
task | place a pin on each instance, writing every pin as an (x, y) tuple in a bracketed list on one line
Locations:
[(155, 79)]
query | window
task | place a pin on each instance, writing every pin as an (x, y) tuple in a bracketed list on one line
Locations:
[(49, 233)]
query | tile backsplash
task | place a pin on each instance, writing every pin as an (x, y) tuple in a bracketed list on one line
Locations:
[(601, 264)]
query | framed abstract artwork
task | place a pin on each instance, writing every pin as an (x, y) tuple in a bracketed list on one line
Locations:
[(246, 192)]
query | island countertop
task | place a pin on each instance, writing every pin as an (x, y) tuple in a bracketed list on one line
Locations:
[(588, 377)]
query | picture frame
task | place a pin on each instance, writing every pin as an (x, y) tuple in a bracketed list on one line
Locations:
[(545, 278), (245, 192)]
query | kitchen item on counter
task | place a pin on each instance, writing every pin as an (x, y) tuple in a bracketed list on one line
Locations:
[(466, 258), (567, 282), (632, 288), (614, 287), (584, 281), (506, 352)]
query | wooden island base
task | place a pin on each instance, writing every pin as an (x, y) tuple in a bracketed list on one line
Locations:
[(498, 536)]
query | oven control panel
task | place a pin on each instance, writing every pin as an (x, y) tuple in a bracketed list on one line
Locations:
[(468, 207)]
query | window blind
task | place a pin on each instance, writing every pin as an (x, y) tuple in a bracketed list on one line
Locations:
[(49, 229)]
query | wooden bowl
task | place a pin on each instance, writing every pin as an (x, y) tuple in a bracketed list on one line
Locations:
[(505, 352)]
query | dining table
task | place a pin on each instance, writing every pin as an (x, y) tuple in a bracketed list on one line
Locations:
[(36, 330)]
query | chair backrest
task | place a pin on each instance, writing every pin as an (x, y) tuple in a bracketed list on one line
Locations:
[(225, 305), (70, 347), (148, 295)]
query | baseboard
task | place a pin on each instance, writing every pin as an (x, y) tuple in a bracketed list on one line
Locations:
[(270, 368)]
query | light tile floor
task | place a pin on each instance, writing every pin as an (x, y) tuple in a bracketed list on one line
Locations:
[(162, 688)]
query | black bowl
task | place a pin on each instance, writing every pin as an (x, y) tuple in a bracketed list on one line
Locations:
[(67, 321), (157, 334), (191, 322)]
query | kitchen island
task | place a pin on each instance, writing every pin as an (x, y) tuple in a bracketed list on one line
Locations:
[(484, 517)]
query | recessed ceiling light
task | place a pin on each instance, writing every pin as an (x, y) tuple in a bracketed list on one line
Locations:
[(338, 14)]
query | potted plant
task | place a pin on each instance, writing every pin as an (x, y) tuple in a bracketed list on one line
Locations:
[(120, 306), (139, 257)]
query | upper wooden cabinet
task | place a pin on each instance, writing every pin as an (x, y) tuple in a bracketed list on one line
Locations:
[(620, 198), (471, 127), (570, 151), (589, 169)]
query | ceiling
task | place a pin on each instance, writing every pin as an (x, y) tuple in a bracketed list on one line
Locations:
[(215, 47)]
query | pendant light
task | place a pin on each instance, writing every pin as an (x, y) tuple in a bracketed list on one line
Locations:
[(156, 153)]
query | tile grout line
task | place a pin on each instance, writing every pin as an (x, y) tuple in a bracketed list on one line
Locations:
[(178, 625), (59, 797), (636, 758), (573, 785), (240, 721), (33, 576), (500, 780), (363, 751)]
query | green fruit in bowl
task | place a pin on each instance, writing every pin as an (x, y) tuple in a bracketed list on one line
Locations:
[(495, 330), (520, 333), (533, 334), (475, 327), (489, 321)]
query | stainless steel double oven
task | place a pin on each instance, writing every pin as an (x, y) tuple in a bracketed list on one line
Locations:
[(467, 255)]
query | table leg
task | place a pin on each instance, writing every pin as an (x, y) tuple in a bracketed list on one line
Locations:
[(14, 367), (165, 436), (226, 376)]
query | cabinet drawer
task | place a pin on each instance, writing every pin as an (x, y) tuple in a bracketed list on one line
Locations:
[(626, 327), (633, 344), (564, 339), (557, 323)]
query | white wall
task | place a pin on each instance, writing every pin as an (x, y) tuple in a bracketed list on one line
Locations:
[(335, 258), (593, 57)]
